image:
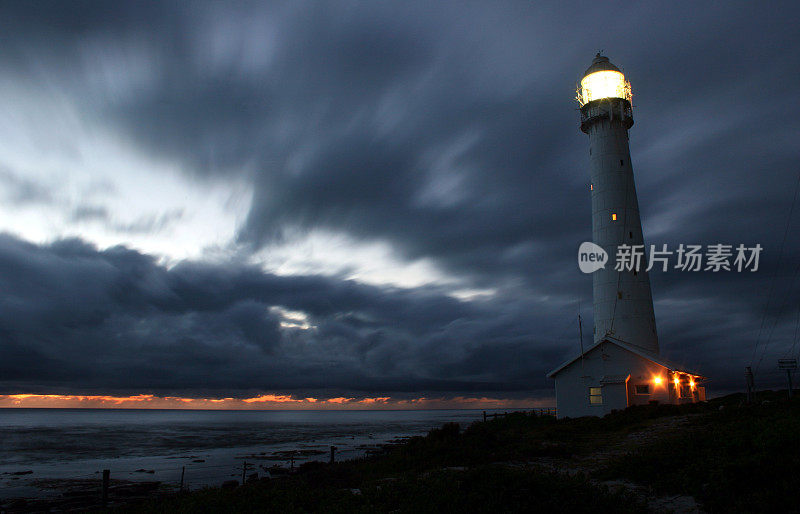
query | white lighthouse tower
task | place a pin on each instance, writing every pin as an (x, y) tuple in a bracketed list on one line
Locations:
[(623, 366), (623, 303)]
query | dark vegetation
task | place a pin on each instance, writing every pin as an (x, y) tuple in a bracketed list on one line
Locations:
[(739, 459), (729, 456)]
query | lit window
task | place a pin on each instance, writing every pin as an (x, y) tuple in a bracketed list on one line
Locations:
[(643, 389), (591, 187), (614, 217), (595, 395)]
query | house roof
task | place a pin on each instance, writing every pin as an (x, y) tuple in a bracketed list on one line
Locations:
[(631, 348)]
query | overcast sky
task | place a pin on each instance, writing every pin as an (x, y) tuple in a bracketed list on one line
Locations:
[(327, 199)]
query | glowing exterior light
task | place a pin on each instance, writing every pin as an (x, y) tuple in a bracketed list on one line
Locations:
[(614, 217), (677, 381), (691, 383), (657, 380)]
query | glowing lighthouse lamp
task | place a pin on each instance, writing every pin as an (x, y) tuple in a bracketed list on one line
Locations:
[(603, 84)]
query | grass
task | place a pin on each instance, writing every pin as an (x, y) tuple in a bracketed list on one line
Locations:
[(738, 458), (478, 489)]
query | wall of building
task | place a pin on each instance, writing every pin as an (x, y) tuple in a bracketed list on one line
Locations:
[(605, 360), (623, 304)]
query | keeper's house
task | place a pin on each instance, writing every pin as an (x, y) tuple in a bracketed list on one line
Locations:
[(613, 375)]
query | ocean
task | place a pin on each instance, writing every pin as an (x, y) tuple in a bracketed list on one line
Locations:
[(42, 449)]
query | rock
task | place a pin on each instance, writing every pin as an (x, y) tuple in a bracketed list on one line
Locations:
[(230, 484), (278, 471)]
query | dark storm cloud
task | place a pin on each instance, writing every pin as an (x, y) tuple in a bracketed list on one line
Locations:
[(75, 319), (449, 131)]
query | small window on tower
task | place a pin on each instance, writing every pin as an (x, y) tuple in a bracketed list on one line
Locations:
[(614, 216), (595, 396), (621, 162), (630, 234)]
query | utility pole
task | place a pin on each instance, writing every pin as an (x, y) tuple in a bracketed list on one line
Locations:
[(789, 365), (748, 377)]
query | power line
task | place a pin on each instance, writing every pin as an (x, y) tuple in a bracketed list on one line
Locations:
[(778, 315), (774, 278), (796, 329)]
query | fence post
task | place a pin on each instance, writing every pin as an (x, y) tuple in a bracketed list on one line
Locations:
[(183, 472), (244, 471), (484, 416), (333, 454), (106, 480)]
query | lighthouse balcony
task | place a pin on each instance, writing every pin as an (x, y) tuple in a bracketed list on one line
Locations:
[(607, 108)]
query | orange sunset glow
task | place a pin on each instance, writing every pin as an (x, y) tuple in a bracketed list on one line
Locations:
[(261, 402)]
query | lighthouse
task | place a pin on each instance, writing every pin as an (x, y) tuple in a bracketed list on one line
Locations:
[(622, 300), (623, 366)]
